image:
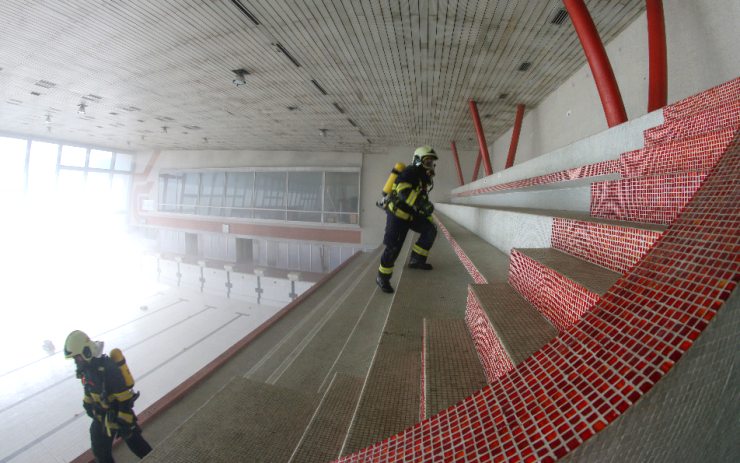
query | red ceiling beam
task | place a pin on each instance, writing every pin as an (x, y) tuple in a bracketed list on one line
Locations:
[(606, 83), (658, 85), (476, 169), (481, 138), (457, 163), (515, 135)]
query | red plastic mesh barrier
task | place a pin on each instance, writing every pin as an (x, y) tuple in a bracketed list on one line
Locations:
[(729, 91), (595, 371), (723, 116), (591, 170), (657, 199), (696, 154), (614, 247), (559, 299), (496, 362)]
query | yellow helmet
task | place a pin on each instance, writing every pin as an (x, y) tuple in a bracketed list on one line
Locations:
[(423, 152), (79, 343)]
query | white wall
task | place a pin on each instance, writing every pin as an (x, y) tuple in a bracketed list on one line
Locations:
[(702, 39)]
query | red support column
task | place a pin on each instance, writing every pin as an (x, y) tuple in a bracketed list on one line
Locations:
[(476, 169), (658, 85), (515, 135), (606, 83), (481, 138), (457, 163)]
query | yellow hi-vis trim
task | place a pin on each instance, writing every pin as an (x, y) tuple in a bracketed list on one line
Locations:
[(121, 396), (412, 197), (385, 270), (419, 250)]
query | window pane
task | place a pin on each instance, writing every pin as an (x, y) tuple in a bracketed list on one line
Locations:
[(304, 194), (270, 194), (211, 193), (71, 186), (100, 159), (124, 162), (170, 187), (73, 156), (12, 165), (239, 194), (98, 190), (341, 196), (42, 168), (189, 197), (120, 192)]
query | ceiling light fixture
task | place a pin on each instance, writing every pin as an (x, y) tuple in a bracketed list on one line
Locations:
[(240, 74), (81, 108), (323, 132)]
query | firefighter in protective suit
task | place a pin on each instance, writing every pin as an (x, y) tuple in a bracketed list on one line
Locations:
[(408, 207), (108, 398)]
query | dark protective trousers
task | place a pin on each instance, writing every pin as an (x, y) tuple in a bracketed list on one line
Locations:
[(102, 443), (395, 234)]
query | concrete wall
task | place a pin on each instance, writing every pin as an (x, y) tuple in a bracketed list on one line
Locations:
[(702, 38)]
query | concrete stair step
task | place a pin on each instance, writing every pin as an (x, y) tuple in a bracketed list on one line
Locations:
[(562, 287), (452, 369), (245, 421), (280, 363), (710, 98), (699, 153), (323, 438), (726, 115), (506, 328), (656, 199)]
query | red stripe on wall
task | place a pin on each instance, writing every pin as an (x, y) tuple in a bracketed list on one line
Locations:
[(272, 231)]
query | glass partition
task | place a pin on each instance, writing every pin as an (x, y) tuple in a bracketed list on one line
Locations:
[(298, 195)]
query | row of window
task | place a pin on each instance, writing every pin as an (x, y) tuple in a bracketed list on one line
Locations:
[(301, 195), (50, 172)]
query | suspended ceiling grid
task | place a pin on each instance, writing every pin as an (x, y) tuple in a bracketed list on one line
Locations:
[(324, 75)]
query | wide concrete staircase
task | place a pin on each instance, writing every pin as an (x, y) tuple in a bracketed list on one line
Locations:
[(532, 339)]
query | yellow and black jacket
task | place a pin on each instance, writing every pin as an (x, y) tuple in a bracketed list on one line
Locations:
[(107, 398), (408, 199)]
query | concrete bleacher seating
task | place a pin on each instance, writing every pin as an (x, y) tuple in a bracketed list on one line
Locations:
[(538, 331)]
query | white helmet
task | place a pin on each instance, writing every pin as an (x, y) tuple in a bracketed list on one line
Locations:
[(79, 343), (423, 152)]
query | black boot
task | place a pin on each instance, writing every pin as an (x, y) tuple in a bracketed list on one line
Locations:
[(419, 264), (384, 283)]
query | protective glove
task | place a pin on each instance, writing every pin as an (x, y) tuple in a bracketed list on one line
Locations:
[(126, 423), (426, 209)]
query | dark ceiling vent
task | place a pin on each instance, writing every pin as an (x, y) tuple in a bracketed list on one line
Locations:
[(502, 96), (112, 113), (35, 94), (92, 97), (292, 108), (321, 89), (164, 118), (339, 108), (246, 12), (282, 49), (559, 17), (352, 123), (191, 127), (46, 84), (131, 108), (525, 66)]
